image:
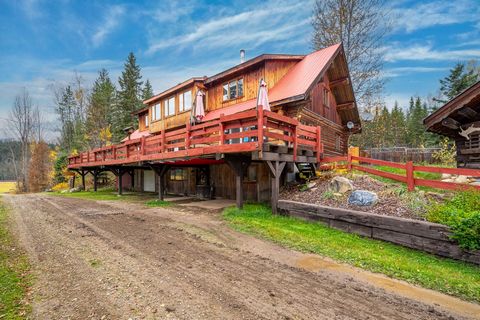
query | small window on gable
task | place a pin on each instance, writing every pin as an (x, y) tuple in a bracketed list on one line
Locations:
[(169, 107), (325, 98), (185, 101), (233, 89)]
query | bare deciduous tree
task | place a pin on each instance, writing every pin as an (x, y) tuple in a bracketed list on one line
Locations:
[(361, 25), (22, 122)]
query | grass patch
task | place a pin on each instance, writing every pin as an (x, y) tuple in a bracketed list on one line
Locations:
[(158, 203), (95, 263), (7, 186), (445, 275), (105, 194), (14, 274)]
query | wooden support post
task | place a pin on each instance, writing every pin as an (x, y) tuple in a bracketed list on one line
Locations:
[(83, 174), (276, 168), (95, 174), (160, 170), (295, 143), (142, 146), (238, 164), (120, 181), (164, 141), (410, 177)]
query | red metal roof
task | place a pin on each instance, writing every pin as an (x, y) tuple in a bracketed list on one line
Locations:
[(303, 74), (239, 107), (137, 135)]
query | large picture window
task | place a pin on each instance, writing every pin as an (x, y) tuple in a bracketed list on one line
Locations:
[(178, 174), (185, 101), (233, 89), (169, 107)]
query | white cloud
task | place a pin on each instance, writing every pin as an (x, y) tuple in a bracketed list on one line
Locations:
[(401, 71), (111, 21), (266, 23), (434, 13), (395, 52)]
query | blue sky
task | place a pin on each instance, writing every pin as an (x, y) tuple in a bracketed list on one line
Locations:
[(44, 42)]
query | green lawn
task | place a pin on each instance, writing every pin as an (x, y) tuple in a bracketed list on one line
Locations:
[(158, 203), (444, 275), (14, 276), (107, 194)]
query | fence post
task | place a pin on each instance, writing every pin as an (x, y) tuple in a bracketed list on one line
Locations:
[(349, 160), (410, 177)]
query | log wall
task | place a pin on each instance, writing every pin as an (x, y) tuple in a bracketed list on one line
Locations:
[(426, 236)]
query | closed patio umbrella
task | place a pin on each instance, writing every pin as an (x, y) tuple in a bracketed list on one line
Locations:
[(262, 98), (199, 110)]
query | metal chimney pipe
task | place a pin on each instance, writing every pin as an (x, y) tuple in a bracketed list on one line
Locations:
[(242, 56)]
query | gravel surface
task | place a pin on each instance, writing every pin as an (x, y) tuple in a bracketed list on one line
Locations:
[(389, 201), (117, 260)]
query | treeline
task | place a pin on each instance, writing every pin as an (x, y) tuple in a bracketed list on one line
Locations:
[(402, 126), (10, 151), (97, 116)]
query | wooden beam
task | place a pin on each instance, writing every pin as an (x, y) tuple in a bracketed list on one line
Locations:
[(467, 112), (346, 105), (450, 123), (338, 82)]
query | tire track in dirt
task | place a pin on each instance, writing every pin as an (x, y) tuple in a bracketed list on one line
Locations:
[(150, 267)]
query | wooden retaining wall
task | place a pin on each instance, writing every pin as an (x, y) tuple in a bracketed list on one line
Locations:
[(430, 237)]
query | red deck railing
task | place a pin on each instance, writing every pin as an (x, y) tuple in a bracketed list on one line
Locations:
[(240, 132), (353, 162)]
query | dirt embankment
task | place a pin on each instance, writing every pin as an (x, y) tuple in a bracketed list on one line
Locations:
[(98, 260)]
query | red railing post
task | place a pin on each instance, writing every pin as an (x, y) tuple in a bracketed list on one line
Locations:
[(319, 143), (142, 146), (187, 135), (222, 131), (410, 177), (164, 139), (114, 152), (260, 127), (295, 143)]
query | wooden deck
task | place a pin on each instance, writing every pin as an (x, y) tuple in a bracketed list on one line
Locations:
[(283, 139)]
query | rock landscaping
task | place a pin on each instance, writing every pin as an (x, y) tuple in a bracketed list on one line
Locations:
[(364, 193)]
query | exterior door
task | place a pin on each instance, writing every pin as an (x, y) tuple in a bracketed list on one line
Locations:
[(149, 180)]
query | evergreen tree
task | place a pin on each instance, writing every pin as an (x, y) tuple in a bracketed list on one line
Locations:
[(459, 79), (416, 136), (129, 98), (147, 92), (66, 110), (398, 122), (100, 109)]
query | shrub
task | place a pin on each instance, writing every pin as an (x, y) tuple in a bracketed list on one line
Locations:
[(447, 153), (462, 215), (60, 186)]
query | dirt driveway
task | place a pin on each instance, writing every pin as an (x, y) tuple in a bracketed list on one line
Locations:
[(118, 260)]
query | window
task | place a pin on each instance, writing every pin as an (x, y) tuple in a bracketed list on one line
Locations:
[(178, 174), (185, 101), (156, 115), (169, 107), (338, 142), (233, 89), (146, 120), (325, 98)]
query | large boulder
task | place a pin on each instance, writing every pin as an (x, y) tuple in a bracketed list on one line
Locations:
[(362, 198), (340, 185)]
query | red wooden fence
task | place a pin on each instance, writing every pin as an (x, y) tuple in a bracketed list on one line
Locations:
[(240, 132), (353, 162)]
